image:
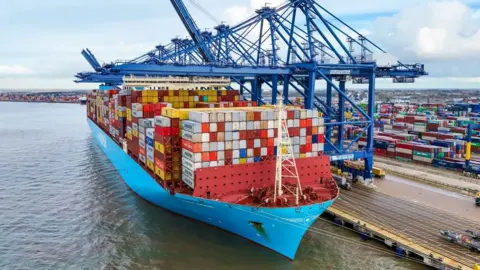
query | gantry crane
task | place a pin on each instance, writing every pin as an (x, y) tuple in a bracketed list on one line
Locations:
[(293, 45)]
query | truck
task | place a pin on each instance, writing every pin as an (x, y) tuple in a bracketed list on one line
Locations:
[(469, 239), (477, 199)]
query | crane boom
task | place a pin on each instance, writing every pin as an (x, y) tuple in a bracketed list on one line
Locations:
[(192, 29)]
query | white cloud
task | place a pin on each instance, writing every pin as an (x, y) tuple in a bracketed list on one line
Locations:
[(432, 31), (15, 70)]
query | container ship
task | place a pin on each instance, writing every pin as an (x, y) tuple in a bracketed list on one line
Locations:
[(193, 147)]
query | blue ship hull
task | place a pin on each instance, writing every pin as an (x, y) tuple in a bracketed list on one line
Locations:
[(280, 229)]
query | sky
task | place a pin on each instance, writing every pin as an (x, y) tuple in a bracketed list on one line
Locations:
[(41, 40)]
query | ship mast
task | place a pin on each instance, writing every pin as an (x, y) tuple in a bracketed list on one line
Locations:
[(286, 166)]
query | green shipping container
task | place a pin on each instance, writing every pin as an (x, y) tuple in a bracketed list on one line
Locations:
[(423, 154)]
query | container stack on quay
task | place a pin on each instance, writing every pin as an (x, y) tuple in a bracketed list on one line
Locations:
[(431, 134), (172, 140)]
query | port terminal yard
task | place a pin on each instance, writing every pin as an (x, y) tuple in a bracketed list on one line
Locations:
[(411, 229)]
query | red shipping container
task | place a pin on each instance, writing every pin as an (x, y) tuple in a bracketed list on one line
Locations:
[(380, 152), (270, 142), (213, 136), (243, 135), (270, 151), (192, 147), (405, 146), (250, 143), (205, 127), (213, 156), (257, 152), (303, 123), (228, 154), (403, 155), (205, 156), (221, 127), (263, 133), (263, 142)]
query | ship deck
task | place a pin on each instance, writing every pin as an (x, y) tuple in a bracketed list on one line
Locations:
[(413, 227)]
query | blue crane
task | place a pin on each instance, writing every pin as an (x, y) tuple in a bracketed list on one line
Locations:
[(285, 50), (197, 36)]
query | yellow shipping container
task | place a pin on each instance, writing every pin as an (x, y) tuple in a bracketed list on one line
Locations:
[(150, 165), (129, 114), (171, 93), (303, 155), (183, 115), (243, 161), (224, 92), (160, 147), (237, 98), (135, 133)]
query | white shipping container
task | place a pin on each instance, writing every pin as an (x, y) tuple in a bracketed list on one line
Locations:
[(321, 147), (321, 130), (137, 114), (296, 149), (250, 126), (141, 137), (236, 154), (250, 160), (220, 117), (205, 164), (137, 107), (303, 132), (235, 145), (191, 126), (213, 146), (141, 143), (192, 136), (263, 151), (228, 126), (243, 125), (205, 137), (192, 166), (235, 136), (228, 136), (228, 117), (221, 155), (205, 147), (404, 151), (220, 146), (256, 125), (213, 127), (242, 116), (228, 145), (142, 158), (236, 116), (195, 157), (213, 164), (150, 153), (243, 144), (270, 133), (134, 126), (235, 126), (221, 163), (250, 152), (201, 117), (296, 123), (162, 121), (256, 143), (188, 178), (303, 140), (213, 117), (150, 133)]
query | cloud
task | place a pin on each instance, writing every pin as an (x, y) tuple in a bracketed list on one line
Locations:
[(443, 34), (435, 30), (14, 70)]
